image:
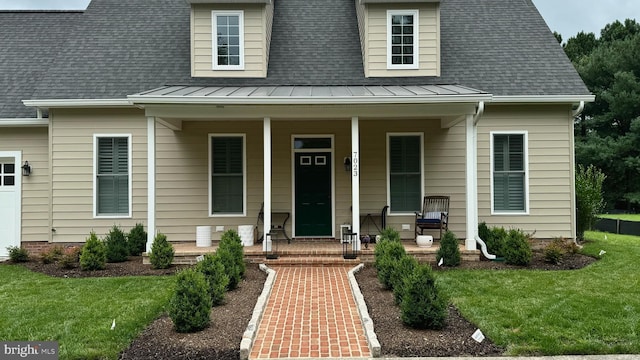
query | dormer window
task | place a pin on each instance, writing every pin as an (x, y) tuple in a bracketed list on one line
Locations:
[(228, 42), (402, 39)]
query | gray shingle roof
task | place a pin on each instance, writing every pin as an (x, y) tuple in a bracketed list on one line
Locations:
[(126, 47), (29, 42)]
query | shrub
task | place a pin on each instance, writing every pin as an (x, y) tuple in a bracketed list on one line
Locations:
[(137, 240), (94, 254), (18, 254), (231, 268), (213, 270), (162, 252), (70, 257), (423, 306), (52, 255), (391, 252), (231, 240), (589, 200), (517, 248), (449, 250), (190, 305), (390, 233), (557, 249), (400, 270), (116, 243), (497, 241)]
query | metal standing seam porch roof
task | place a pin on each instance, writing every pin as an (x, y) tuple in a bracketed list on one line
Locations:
[(311, 94)]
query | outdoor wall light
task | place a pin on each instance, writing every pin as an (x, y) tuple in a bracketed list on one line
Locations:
[(347, 164), (26, 169)]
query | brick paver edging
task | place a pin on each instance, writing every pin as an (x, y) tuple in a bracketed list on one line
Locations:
[(367, 323), (250, 333)]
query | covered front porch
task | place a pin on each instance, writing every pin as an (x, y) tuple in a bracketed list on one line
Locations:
[(288, 136)]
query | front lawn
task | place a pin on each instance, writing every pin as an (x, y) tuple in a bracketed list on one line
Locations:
[(78, 313), (595, 310)]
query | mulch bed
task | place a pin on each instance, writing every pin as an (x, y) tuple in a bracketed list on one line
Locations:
[(221, 340)]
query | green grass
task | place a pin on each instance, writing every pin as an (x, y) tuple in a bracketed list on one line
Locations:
[(78, 312), (627, 217), (595, 310)]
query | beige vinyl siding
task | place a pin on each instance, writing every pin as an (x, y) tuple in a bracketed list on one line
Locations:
[(375, 40), (72, 156), (34, 144), (550, 168), (255, 41)]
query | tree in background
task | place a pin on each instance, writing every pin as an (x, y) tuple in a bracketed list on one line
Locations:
[(608, 131)]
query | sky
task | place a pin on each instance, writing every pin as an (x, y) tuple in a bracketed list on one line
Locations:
[(568, 17)]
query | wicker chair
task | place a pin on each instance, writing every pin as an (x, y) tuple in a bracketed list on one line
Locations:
[(434, 215)]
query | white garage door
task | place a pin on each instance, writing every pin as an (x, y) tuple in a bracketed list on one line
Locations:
[(10, 177)]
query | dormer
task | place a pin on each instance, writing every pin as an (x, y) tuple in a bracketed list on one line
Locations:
[(230, 38), (399, 38)]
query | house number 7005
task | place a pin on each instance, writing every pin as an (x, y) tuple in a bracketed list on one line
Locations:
[(355, 163)]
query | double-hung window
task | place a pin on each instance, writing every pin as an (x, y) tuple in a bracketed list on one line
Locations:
[(404, 164), (227, 175), (402, 39), (509, 172), (228, 40), (112, 180)]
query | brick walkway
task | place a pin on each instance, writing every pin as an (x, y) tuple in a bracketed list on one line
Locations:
[(310, 313)]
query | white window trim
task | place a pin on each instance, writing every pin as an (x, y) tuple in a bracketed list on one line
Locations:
[(95, 176), (244, 175), (526, 172), (214, 39), (416, 42), (389, 135)]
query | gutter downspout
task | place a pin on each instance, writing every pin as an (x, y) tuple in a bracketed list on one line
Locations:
[(483, 245), (579, 110)]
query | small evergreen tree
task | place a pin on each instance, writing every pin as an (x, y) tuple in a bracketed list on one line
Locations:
[(117, 247), (449, 250), (386, 260), (190, 305), (517, 249), (401, 270), (137, 240), (231, 241), (423, 306), (213, 270), (390, 233), (162, 252), (231, 268), (94, 254)]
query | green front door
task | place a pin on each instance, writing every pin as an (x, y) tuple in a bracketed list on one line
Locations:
[(313, 215)]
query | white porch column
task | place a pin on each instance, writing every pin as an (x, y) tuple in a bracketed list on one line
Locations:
[(471, 182), (151, 181), (355, 180), (266, 133)]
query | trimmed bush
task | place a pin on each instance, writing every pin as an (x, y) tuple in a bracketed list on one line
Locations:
[(213, 270), (423, 306), (231, 240), (517, 248), (117, 247), (162, 252), (137, 240), (390, 233), (70, 257), (449, 250), (52, 255), (18, 254), (385, 260), (94, 254), (190, 305), (231, 268), (400, 270)]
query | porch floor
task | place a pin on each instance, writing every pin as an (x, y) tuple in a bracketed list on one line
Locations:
[(326, 252)]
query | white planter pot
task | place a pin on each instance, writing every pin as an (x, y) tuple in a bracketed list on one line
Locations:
[(424, 241)]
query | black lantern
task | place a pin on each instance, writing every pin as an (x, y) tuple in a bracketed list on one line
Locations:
[(347, 164), (349, 245), (26, 169)]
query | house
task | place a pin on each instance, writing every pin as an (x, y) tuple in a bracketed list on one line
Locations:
[(179, 114)]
